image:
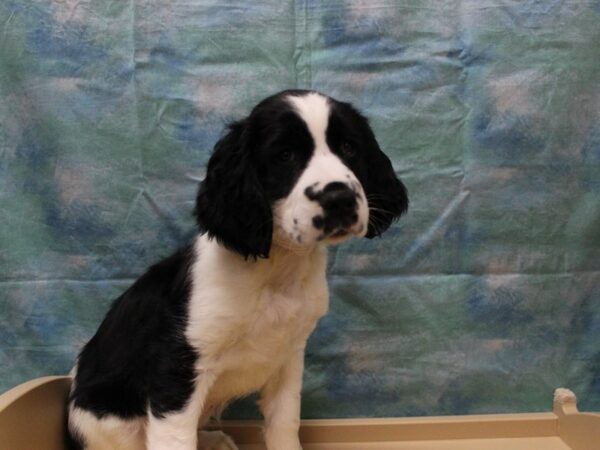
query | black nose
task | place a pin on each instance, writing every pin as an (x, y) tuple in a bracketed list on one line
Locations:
[(338, 199), (339, 205)]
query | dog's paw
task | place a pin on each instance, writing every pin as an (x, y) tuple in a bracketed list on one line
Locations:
[(215, 440)]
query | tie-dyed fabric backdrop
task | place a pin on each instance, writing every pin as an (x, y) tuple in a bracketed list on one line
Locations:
[(484, 298)]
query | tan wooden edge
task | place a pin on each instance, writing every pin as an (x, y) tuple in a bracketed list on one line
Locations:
[(39, 405), (9, 397), (395, 430)]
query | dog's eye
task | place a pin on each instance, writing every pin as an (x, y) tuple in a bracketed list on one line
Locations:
[(347, 150), (285, 156)]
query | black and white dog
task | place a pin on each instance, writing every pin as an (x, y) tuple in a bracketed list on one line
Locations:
[(230, 314)]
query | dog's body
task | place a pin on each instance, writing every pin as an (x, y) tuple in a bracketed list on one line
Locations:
[(230, 315)]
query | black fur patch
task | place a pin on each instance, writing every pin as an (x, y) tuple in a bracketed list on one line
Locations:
[(351, 138), (139, 356)]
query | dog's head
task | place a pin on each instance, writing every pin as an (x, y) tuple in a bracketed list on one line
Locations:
[(301, 169)]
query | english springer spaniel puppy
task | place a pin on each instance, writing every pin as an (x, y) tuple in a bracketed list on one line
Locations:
[(230, 314)]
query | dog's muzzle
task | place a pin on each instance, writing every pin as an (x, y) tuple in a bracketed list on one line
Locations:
[(338, 201)]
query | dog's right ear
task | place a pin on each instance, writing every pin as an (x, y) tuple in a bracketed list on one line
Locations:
[(231, 205)]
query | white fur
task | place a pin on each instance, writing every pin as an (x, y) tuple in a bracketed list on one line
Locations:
[(314, 109), (249, 321), (177, 431), (248, 317), (109, 432)]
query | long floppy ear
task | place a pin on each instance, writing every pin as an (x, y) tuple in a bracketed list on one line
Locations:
[(386, 194), (231, 205)]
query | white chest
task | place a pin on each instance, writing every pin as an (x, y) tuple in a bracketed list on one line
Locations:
[(248, 317)]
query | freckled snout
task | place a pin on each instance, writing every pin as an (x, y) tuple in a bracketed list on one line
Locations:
[(338, 201)]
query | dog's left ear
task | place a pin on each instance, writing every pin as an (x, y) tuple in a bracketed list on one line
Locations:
[(231, 205), (386, 194)]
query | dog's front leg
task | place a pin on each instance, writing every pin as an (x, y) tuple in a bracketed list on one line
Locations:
[(178, 430), (280, 405)]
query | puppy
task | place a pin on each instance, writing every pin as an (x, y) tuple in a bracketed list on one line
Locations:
[(230, 314)]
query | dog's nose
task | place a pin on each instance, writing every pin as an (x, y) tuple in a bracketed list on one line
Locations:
[(338, 199), (339, 205)]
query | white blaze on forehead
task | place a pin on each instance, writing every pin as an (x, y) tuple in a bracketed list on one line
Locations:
[(313, 108), (293, 215)]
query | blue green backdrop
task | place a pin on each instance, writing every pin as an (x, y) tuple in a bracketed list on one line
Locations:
[(484, 298)]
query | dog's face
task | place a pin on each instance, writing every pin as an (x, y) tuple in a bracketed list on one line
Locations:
[(301, 169)]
